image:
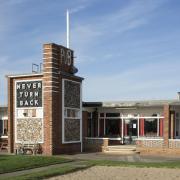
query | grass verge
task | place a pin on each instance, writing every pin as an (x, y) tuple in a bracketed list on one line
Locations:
[(10, 163), (49, 173)]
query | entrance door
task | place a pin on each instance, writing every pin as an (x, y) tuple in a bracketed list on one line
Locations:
[(130, 132), (177, 130)]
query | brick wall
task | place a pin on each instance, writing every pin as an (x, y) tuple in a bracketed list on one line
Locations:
[(58, 64), (11, 107), (54, 71), (95, 144)]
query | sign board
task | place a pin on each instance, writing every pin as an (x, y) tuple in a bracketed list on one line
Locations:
[(29, 94), (134, 126)]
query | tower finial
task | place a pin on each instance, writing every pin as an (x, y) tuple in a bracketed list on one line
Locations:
[(67, 28)]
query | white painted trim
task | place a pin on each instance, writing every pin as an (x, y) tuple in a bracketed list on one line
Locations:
[(95, 138), (81, 133), (138, 126), (54, 49), (149, 139), (174, 140), (25, 75), (51, 91), (51, 68), (15, 108), (50, 57), (158, 127), (98, 127), (4, 137), (135, 117), (122, 128), (4, 118), (63, 142), (104, 126)]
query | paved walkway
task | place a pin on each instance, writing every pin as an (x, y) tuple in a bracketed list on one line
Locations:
[(120, 157), (78, 163), (80, 159)]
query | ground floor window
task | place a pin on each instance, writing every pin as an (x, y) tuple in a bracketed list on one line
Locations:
[(130, 127), (113, 127), (177, 128), (3, 127), (90, 125), (150, 127)]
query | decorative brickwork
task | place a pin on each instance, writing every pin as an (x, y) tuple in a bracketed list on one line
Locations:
[(95, 144), (58, 64), (72, 129), (29, 130), (150, 143), (71, 94), (174, 144)]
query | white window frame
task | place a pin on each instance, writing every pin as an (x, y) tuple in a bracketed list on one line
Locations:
[(80, 112)]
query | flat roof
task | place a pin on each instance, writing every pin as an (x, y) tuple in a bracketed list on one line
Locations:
[(24, 75), (141, 103)]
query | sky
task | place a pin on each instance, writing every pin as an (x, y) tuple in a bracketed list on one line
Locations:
[(125, 49)]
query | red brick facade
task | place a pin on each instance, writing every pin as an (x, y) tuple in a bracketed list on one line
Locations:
[(56, 68)]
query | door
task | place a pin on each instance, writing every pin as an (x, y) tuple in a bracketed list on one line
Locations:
[(130, 131), (177, 129)]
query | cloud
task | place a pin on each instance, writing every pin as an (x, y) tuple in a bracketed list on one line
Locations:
[(146, 81), (102, 29), (77, 9)]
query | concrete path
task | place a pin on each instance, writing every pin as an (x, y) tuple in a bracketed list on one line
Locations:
[(120, 157), (78, 163), (80, 159)]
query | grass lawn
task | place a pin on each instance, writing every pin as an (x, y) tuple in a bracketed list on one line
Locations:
[(15, 163), (47, 174), (10, 163)]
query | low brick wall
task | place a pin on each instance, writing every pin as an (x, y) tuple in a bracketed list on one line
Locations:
[(174, 143), (156, 146), (150, 143), (95, 144)]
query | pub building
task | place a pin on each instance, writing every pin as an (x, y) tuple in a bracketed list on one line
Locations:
[(46, 109)]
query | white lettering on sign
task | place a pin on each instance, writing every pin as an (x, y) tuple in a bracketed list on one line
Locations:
[(66, 58), (31, 85), (29, 94), (29, 103)]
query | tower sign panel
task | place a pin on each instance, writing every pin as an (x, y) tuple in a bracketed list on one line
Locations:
[(29, 94)]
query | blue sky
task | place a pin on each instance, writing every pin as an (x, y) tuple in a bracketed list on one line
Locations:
[(125, 49)]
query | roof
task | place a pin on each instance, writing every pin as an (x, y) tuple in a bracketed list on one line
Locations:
[(92, 104), (24, 75), (143, 103)]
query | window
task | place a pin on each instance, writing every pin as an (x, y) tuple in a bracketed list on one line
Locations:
[(150, 127), (113, 127), (112, 114), (101, 114), (3, 127), (71, 113), (89, 124)]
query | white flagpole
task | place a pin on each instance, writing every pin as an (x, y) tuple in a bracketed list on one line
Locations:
[(67, 28)]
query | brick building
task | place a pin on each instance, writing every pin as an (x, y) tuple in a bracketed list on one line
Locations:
[(152, 126), (46, 108)]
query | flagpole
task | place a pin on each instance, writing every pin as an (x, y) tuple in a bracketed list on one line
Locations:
[(67, 28)]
